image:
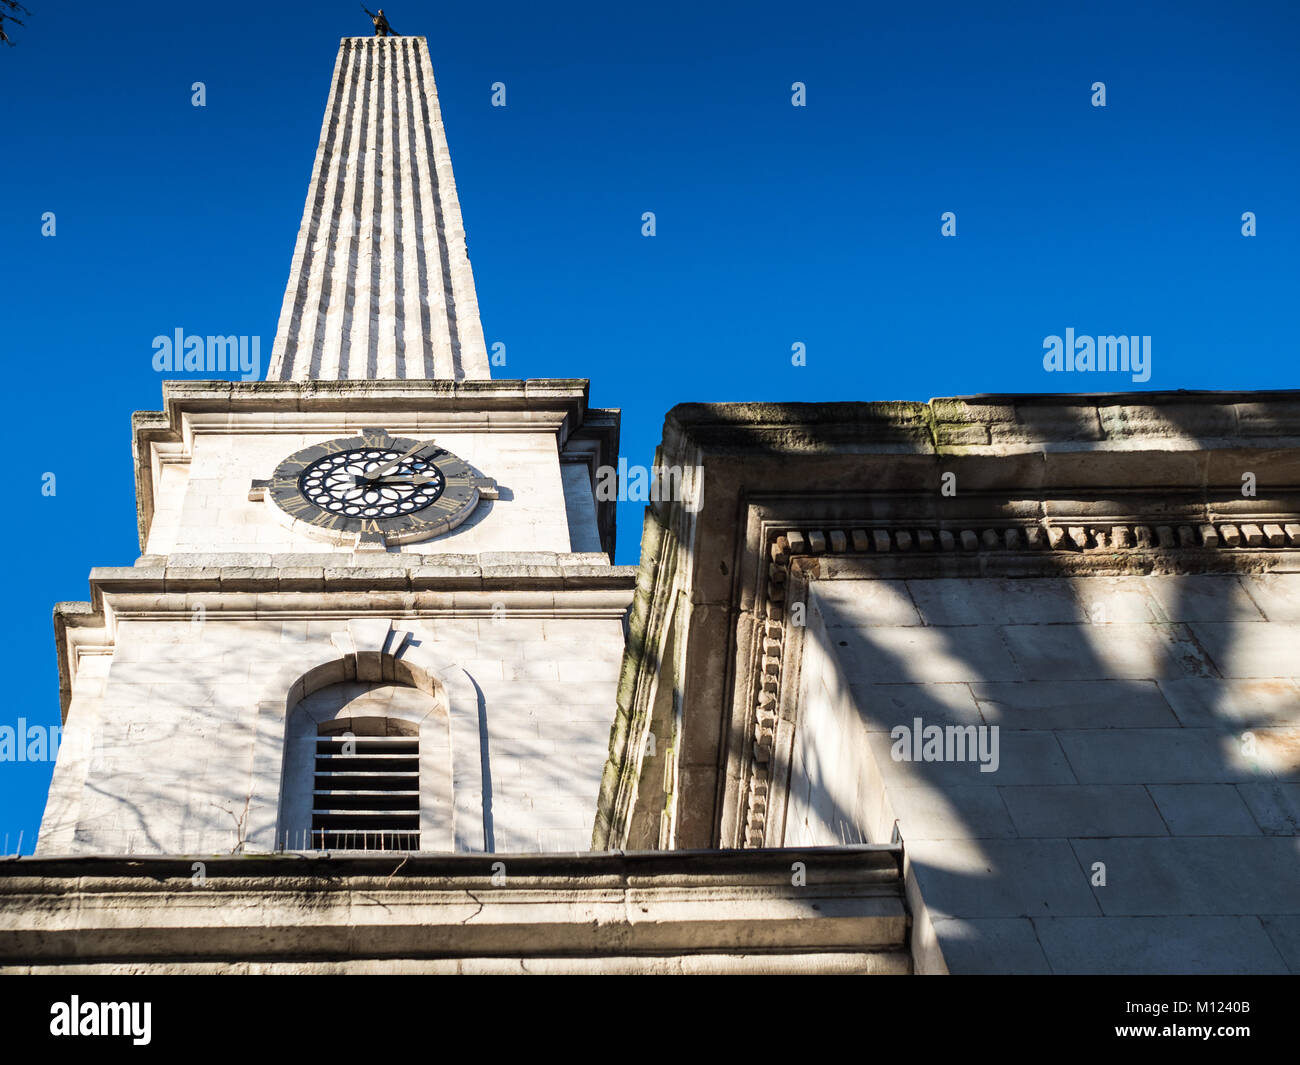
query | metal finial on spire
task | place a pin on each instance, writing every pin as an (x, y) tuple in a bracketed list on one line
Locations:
[(382, 28)]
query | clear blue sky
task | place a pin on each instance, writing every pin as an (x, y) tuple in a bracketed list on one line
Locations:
[(776, 224)]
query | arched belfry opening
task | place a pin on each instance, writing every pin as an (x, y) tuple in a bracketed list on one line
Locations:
[(378, 745), (367, 766)]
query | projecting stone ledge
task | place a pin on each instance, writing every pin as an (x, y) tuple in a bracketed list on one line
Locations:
[(338, 574), (999, 424), (612, 912)]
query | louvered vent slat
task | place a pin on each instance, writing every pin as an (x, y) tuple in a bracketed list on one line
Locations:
[(366, 794)]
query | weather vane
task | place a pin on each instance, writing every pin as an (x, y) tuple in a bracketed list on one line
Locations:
[(382, 28)]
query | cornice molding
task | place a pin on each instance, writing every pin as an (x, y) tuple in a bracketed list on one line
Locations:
[(681, 911), (997, 425)]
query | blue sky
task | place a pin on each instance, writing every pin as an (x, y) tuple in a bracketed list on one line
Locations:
[(775, 224)]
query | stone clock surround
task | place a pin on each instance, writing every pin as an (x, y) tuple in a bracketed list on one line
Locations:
[(455, 491), (196, 459)]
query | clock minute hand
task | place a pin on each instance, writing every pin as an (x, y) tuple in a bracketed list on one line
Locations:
[(370, 475)]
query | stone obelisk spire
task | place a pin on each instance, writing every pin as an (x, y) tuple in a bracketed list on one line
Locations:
[(380, 286)]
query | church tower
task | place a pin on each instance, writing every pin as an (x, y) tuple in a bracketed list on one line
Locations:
[(375, 608)]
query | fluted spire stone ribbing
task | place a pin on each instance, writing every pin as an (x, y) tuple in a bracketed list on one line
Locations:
[(380, 286)]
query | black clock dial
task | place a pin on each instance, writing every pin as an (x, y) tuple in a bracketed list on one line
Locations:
[(343, 483), (375, 489)]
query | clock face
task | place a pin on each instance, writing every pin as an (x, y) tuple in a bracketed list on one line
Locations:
[(342, 483), (375, 489)]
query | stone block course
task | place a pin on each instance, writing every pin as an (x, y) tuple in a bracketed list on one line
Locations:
[(1284, 933), (1233, 704), (1203, 810), (1001, 878), (883, 706), (1174, 945), (949, 813), (1203, 598), (1065, 810), (894, 655), (1153, 756), (1245, 649), (1274, 804), (1025, 758), (991, 946), (1010, 602), (1195, 875), (1277, 595), (1068, 704), (1097, 652)]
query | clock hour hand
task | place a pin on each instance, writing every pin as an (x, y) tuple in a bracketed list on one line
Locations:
[(414, 478), (378, 471)]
